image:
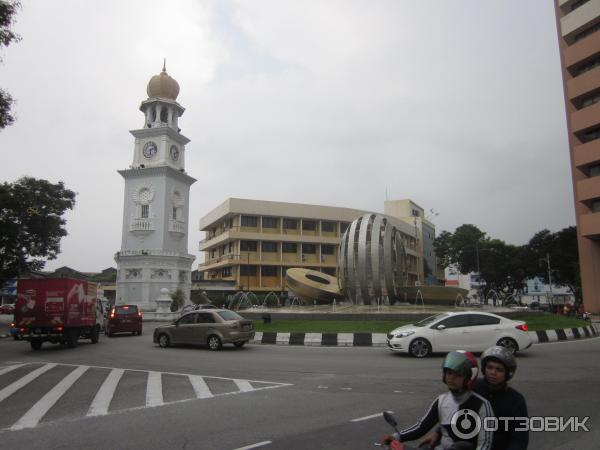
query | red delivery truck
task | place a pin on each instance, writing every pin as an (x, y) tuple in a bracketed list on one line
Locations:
[(57, 310)]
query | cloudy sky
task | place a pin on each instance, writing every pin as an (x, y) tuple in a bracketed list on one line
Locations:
[(456, 104)]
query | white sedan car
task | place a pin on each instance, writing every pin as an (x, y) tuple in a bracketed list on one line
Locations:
[(469, 330)]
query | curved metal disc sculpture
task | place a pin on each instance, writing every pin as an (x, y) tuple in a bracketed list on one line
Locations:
[(312, 285)]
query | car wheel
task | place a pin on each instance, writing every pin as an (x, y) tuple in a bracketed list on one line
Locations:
[(72, 338), (239, 344), (510, 344), (36, 344), (214, 342), (420, 348), (164, 341)]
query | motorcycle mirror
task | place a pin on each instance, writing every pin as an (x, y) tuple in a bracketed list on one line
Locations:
[(389, 418)]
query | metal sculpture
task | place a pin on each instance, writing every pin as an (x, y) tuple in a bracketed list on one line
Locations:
[(372, 260), (312, 285)]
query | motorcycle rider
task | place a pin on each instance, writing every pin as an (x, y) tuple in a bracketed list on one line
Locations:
[(459, 373), (499, 366)]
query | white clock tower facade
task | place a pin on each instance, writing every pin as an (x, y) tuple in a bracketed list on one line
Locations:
[(154, 251)]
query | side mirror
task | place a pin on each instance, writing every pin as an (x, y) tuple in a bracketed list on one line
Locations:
[(389, 418), (176, 323), (441, 327)]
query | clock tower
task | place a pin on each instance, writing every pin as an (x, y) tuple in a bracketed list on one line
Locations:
[(153, 251)]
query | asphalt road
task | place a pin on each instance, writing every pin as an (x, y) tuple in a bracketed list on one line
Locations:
[(127, 393)]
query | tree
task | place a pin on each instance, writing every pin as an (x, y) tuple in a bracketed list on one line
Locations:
[(31, 224), (562, 249), (470, 250), (461, 247), (7, 13)]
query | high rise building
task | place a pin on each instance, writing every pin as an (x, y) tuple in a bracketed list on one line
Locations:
[(578, 24), (153, 253)]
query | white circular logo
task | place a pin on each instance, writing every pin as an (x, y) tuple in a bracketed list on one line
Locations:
[(465, 423)]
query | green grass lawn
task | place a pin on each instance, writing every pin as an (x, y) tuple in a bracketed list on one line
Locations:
[(535, 323), (550, 322)]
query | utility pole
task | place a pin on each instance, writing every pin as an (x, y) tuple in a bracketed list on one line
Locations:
[(477, 257), (547, 259), (478, 272)]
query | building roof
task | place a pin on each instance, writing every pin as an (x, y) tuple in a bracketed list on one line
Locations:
[(234, 206)]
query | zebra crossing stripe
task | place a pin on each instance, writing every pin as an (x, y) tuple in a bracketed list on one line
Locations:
[(10, 368), (39, 410), (243, 385), (154, 394), (200, 387), (24, 381), (101, 402)]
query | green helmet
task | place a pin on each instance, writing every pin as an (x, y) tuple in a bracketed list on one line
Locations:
[(503, 356), (464, 363)]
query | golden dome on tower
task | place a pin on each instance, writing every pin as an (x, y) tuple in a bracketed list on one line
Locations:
[(163, 86)]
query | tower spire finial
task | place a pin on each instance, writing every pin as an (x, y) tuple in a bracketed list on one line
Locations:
[(164, 64)]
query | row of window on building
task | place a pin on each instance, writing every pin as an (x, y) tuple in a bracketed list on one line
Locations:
[(292, 224), (267, 271), (273, 247)]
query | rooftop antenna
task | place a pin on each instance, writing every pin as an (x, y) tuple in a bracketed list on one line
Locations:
[(386, 193), (164, 64)]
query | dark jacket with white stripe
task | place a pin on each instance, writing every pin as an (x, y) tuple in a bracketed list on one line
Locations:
[(441, 411)]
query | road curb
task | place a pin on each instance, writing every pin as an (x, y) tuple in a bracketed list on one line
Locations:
[(379, 339)]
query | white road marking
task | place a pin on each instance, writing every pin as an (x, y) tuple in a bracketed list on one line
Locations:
[(200, 387), (10, 368), (345, 389), (322, 387), (372, 416), (14, 387), (186, 374), (258, 444), (243, 385), (101, 402), (154, 395), (103, 398), (39, 410)]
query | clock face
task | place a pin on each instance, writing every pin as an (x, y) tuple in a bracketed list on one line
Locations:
[(174, 153), (149, 149)]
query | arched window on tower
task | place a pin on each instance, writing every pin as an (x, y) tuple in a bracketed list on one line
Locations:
[(144, 199), (164, 115)]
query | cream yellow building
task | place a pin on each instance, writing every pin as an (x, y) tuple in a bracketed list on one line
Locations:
[(254, 242)]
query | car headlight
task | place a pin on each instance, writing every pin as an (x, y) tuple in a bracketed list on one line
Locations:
[(404, 334)]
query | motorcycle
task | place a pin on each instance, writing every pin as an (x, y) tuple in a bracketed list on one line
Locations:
[(584, 316), (395, 444)]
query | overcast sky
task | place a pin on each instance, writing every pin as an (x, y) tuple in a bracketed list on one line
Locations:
[(456, 104)]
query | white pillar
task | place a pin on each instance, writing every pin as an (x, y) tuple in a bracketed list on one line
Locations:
[(170, 117)]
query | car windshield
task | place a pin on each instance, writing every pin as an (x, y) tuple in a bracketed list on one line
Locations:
[(229, 315), (429, 320)]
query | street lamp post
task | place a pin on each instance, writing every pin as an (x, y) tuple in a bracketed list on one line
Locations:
[(547, 261)]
